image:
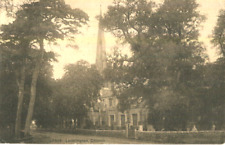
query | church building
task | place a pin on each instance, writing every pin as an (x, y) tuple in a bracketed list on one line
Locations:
[(105, 112)]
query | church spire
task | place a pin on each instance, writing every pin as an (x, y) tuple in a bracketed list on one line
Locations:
[(101, 50), (100, 11)]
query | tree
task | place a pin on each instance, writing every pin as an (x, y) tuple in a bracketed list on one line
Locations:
[(78, 90), (48, 20), (44, 20), (218, 33), (44, 111), (166, 53), (69, 98), (215, 75), (16, 47), (8, 91), (129, 20), (12, 62)]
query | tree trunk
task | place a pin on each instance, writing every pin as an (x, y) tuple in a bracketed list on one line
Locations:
[(21, 83), (33, 89)]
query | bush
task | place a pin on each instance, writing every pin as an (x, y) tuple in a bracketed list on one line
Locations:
[(111, 133), (201, 137)]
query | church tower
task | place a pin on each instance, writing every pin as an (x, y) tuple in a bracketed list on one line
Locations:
[(101, 49), (105, 112)]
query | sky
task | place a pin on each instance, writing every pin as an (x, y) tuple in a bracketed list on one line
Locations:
[(86, 42)]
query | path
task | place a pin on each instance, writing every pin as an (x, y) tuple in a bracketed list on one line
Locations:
[(63, 138)]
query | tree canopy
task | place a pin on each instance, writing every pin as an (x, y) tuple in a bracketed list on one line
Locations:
[(73, 95), (166, 57), (35, 23)]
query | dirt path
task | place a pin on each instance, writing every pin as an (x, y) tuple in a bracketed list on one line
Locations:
[(61, 138)]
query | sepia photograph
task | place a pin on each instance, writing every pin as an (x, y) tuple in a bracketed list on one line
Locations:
[(112, 71)]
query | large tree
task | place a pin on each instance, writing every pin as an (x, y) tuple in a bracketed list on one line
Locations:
[(215, 74), (70, 98), (166, 53), (49, 20), (16, 48), (11, 65), (44, 111), (8, 90), (41, 21), (79, 89)]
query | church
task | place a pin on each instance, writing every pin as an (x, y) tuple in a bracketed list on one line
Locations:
[(105, 113)]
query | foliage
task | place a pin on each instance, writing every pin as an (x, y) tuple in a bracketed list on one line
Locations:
[(71, 97), (213, 96), (35, 22), (180, 137), (218, 33), (79, 89), (215, 75), (43, 112), (8, 92), (9, 88), (166, 56), (47, 20)]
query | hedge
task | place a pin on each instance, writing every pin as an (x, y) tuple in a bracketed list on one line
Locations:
[(173, 137), (186, 137), (111, 133), (108, 133)]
